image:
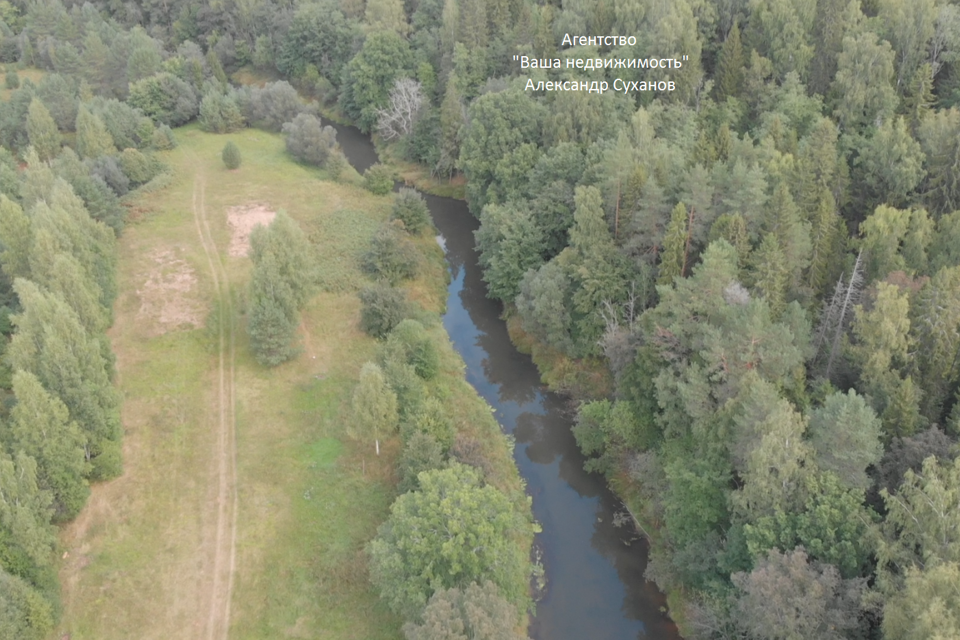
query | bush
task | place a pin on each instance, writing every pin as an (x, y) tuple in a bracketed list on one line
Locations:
[(411, 393), (12, 80), (381, 309), (107, 168), (410, 209), (470, 451), (219, 113), (430, 417), (271, 106), (416, 553), (165, 98), (476, 612), (336, 164), (378, 180), (410, 343), (163, 139), (308, 141), (392, 256), (421, 452), (231, 155), (138, 168)]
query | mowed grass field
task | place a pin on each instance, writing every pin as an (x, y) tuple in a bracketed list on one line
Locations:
[(137, 560)]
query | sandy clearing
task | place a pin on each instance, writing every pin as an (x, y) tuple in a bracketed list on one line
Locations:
[(243, 220)]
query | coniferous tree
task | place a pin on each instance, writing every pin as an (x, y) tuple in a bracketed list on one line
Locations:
[(730, 66), (42, 131), (231, 156), (93, 139), (674, 254), (273, 317)]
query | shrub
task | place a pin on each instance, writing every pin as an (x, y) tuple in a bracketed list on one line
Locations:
[(231, 155), (12, 80), (476, 612), (219, 113), (165, 98), (336, 163), (381, 309), (271, 106), (163, 138), (416, 554), (411, 392), (138, 167), (410, 343), (468, 450), (410, 209), (308, 141), (378, 180), (392, 256), (430, 416), (107, 168), (421, 452)]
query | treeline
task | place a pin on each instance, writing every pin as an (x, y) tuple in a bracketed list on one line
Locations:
[(60, 428), (443, 580)]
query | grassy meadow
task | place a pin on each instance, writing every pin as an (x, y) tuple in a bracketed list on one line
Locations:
[(308, 498)]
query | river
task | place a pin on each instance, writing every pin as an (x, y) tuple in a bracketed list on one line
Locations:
[(594, 569)]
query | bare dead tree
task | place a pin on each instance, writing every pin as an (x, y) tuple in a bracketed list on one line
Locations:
[(835, 319), (399, 117)]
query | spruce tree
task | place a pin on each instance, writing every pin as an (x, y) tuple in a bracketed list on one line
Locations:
[(730, 65), (42, 131), (93, 139), (231, 156), (673, 256), (273, 313)]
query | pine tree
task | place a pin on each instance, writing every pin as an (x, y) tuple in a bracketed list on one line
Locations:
[(374, 406), (93, 139), (826, 243), (673, 256), (42, 131), (231, 156), (273, 314)]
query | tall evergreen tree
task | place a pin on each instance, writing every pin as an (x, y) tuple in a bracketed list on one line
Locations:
[(273, 318), (42, 131), (93, 139)]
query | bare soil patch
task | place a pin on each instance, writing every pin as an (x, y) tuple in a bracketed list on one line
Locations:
[(243, 220), (169, 298)]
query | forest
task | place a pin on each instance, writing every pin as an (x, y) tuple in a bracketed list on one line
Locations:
[(761, 266)]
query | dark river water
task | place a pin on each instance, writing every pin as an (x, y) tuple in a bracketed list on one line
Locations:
[(594, 569)]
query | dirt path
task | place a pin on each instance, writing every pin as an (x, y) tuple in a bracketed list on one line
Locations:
[(218, 576)]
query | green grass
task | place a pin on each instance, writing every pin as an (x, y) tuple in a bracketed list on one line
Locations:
[(309, 498)]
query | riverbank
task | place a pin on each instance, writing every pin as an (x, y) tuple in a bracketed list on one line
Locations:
[(510, 369), (151, 556)]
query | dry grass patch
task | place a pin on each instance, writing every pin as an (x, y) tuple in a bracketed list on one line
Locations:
[(170, 297), (243, 220)]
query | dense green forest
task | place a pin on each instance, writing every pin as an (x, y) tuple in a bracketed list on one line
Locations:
[(767, 259)]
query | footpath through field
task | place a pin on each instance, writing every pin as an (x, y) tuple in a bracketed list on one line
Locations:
[(242, 512)]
